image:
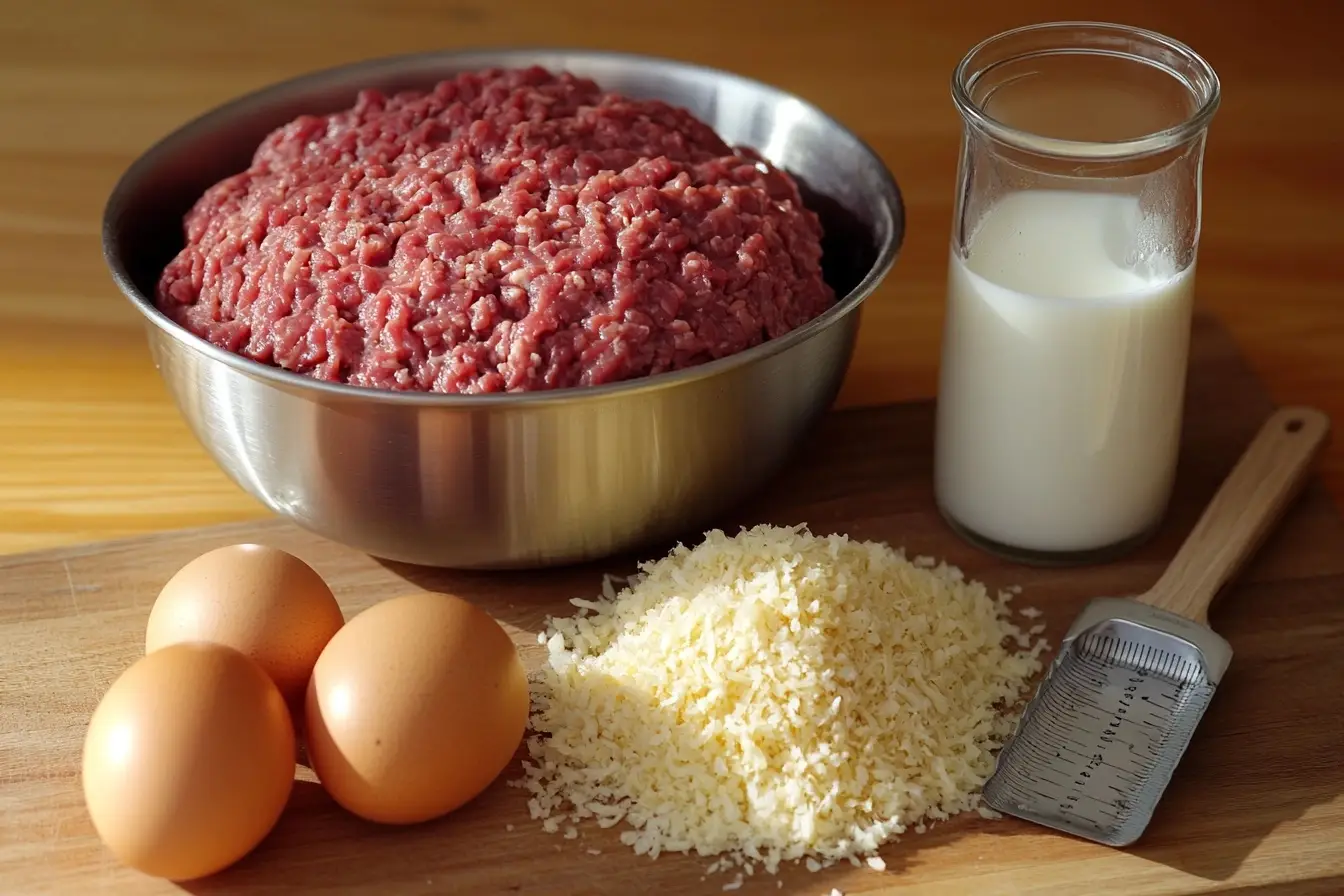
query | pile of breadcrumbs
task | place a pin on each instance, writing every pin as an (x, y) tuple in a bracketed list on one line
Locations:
[(775, 696)]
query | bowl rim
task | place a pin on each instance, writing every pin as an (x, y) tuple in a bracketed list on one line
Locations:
[(129, 183)]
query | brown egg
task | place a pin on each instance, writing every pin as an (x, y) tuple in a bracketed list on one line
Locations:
[(260, 600), (414, 708), (188, 761)]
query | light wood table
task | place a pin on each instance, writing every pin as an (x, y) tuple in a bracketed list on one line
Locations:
[(90, 446)]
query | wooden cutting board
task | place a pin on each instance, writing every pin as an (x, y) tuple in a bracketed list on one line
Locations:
[(1256, 806)]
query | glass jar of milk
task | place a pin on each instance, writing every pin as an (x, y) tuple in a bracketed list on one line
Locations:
[(1069, 293)]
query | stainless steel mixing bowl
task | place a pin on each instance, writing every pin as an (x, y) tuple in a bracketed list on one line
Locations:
[(511, 480)]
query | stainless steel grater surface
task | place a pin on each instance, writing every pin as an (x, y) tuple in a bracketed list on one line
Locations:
[(1099, 742)]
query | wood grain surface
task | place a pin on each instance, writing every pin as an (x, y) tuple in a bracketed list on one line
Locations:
[(1264, 483), (1257, 805), (89, 445)]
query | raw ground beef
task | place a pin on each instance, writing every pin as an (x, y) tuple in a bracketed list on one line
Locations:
[(507, 230)]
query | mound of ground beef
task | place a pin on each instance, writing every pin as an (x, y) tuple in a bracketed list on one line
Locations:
[(506, 231)]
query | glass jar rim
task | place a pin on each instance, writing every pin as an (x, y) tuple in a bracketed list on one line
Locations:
[(1207, 91)]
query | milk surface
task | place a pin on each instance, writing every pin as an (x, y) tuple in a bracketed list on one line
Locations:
[(1063, 374)]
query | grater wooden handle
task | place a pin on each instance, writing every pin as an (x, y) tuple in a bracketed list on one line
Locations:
[(1250, 501)]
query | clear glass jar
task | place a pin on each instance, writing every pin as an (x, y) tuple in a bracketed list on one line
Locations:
[(1070, 287)]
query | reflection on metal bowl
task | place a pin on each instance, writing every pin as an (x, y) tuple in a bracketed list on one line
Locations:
[(517, 479)]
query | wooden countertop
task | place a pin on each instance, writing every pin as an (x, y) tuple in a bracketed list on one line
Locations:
[(90, 446)]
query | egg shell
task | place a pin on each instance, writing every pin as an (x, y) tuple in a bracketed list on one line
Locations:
[(254, 598), (414, 708), (188, 761)]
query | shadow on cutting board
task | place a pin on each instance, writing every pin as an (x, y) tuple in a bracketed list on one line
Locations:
[(1267, 751)]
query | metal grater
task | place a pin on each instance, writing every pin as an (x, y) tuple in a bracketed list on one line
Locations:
[(1099, 742)]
